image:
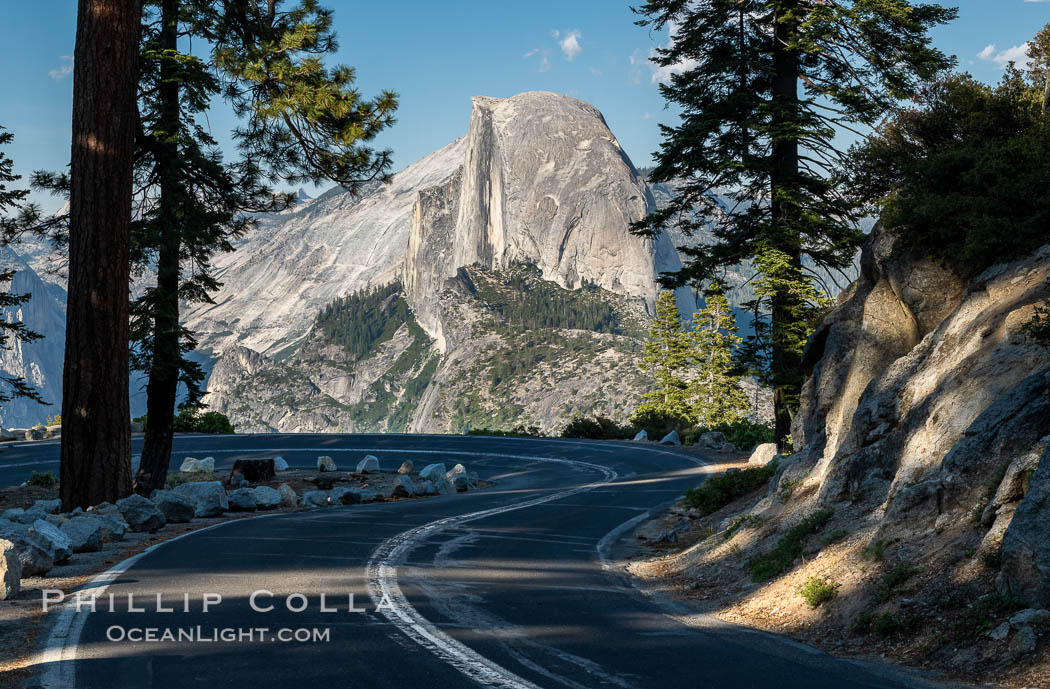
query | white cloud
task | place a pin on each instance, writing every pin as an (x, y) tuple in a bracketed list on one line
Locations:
[(531, 53), (545, 63), (62, 71), (648, 116), (1017, 54), (570, 45), (663, 74)]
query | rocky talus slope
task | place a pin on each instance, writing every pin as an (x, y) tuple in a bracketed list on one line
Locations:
[(918, 496)]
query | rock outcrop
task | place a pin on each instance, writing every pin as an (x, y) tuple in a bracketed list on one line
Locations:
[(928, 406)]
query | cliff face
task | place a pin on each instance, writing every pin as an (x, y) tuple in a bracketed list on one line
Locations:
[(39, 362), (927, 410), (538, 181)]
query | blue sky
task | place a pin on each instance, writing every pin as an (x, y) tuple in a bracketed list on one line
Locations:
[(437, 55)]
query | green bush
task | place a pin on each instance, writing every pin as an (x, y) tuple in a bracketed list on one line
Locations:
[(834, 536), (893, 580), (718, 491), (769, 565), (193, 420), (598, 428), (874, 550), (43, 479), (743, 435), (656, 425), (142, 420), (818, 590), (992, 559), (519, 431)]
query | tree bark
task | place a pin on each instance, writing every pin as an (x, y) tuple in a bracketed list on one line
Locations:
[(163, 386), (786, 363), (96, 430)]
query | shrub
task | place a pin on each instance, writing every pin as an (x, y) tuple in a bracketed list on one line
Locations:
[(992, 559), (874, 550), (834, 536), (892, 581), (192, 420), (176, 478), (44, 479), (743, 435), (818, 590), (519, 431), (744, 521), (718, 491), (598, 428), (768, 565), (656, 425), (55, 420)]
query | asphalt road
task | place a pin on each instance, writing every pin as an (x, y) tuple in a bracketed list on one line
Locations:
[(501, 587)]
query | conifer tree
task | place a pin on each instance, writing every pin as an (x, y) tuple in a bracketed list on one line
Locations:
[(715, 387), (301, 121), (15, 215), (763, 87), (667, 354)]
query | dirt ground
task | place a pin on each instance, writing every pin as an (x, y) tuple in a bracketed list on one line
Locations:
[(921, 599)]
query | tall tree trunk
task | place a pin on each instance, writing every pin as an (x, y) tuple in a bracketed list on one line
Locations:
[(786, 363), (162, 389), (96, 430)]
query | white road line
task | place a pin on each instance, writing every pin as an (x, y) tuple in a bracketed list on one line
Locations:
[(383, 586)]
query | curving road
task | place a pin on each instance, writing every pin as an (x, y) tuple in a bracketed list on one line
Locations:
[(504, 587)]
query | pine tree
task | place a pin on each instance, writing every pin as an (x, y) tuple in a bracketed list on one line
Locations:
[(302, 122), (96, 430), (715, 389), (15, 215), (667, 354), (738, 66)]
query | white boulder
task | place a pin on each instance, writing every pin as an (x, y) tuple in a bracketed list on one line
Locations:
[(407, 467), (47, 538), (325, 463), (10, 570), (209, 497), (763, 454), (266, 498), (431, 470), (671, 439), (280, 464), (641, 436), (242, 500), (315, 498), (289, 498), (370, 464)]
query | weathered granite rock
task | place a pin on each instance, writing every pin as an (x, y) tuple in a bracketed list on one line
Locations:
[(714, 440), (242, 500), (48, 539), (47, 506), (671, 439), (325, 463), (763, 454), (641, 436), (85, 533), (209, 497), (113, 521), (407, 467), (10, 570), (140, 513), (289, 498), (176, 508), (370, 464), (431, 470), (404, 487), (280, 464), (1025, 571), (315, 498), (266, 498), (194, 465), (13, 514), (1031, 617)]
